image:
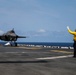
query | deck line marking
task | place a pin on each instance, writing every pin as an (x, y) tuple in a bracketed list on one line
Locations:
[(24, 52), (61, 51), (56, 57), (32, 48)]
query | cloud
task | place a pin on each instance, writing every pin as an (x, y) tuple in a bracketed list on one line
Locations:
[(37, 33), (41, 30), (40, 33)]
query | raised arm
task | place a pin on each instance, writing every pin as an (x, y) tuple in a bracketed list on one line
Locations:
[(70, 31)]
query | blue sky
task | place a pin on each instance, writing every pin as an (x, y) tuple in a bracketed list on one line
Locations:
[(39, 20)]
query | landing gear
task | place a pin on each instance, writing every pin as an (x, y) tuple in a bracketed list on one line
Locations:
[(11, 43), (15, 43)]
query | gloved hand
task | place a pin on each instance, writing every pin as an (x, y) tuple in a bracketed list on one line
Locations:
[(68, 27)]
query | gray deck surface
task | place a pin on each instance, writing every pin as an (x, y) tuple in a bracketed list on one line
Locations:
[(36, 61)]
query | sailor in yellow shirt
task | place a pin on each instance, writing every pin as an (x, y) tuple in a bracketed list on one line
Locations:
[(74, 34)]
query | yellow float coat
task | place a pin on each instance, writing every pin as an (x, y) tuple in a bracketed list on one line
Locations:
[(73, 33)]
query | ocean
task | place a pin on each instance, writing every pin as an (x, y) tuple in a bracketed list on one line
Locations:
[(45, 43)]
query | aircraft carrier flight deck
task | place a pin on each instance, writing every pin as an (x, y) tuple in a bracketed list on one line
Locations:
[(36, 61)]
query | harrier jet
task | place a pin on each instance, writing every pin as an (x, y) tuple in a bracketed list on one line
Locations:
[(10, 36)]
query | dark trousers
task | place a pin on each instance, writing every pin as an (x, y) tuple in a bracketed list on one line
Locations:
[(74, 48)]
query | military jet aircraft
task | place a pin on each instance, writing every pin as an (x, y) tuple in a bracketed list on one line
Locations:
[(10, 36)]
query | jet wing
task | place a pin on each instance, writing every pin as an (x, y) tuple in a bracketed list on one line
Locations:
[(21, 36)]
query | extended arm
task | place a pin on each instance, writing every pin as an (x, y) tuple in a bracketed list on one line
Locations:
[(71, 32)]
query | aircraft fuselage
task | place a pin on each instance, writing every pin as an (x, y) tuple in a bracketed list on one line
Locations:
[(8, 38)]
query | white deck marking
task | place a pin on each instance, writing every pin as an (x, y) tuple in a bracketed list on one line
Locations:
[(24, 52), (15, 52), (56, 57)]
